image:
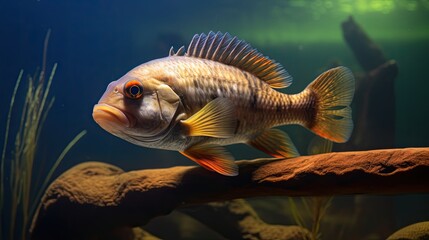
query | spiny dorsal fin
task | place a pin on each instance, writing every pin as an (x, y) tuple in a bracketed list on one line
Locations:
[(180, 51), (235, 52)]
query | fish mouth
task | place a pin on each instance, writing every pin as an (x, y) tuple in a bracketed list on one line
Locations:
[(110, 118)]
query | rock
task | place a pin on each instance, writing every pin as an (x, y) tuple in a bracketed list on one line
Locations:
[(417, 231), (236, 219), (93, 198)]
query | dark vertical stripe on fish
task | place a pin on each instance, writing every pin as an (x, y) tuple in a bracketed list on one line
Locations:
[(311, 110), (237, 126), (254, 99)]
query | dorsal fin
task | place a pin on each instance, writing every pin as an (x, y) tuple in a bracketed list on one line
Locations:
[(235, 52), (180, 51)]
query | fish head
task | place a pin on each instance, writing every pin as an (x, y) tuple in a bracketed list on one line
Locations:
[(137, 107)]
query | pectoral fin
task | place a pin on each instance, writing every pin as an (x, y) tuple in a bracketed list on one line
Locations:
[(212, 157), (216, 119), (275, 143)]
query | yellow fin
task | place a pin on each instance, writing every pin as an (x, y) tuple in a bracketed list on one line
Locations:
[(216, 119), (275, 143), (319, 145), (212, 157), (334, 90)]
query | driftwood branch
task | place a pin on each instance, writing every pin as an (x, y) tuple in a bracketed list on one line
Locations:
[(366, 51), (374, 101), (92, 197), (374, 120)]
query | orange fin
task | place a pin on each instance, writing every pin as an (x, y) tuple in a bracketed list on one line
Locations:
[(212, 157), (216, 119), (275, 143), (334, 90)]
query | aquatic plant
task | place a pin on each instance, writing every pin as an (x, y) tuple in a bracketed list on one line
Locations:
[(315, 207), (22, 196)]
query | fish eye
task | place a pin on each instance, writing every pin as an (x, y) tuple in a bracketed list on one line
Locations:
[(133, 89)]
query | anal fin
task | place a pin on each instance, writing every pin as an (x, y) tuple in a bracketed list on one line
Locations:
[(319, 145), (212, 157), (275, 143)]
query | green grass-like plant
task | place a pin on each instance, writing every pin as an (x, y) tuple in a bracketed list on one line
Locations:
[(21, 197), (308, 212)]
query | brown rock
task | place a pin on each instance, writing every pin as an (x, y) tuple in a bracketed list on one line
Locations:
[(92, 198), (236, 219), (417, 231)]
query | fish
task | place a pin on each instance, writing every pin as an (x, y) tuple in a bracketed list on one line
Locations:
[(221, 91)]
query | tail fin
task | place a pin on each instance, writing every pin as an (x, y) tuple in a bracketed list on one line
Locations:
[(334, 91)]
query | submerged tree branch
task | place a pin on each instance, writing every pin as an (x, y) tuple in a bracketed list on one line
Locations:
[(93, 197), (236, 219)]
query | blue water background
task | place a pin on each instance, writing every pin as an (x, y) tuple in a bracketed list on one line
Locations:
[(96, 42)]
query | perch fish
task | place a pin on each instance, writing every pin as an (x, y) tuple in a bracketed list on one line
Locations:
[(221, 91)]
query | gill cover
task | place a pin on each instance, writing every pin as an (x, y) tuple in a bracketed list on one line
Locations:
[(168, 102)]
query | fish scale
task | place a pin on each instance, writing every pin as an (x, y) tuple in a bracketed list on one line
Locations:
[(221, 91), (198, 77)]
